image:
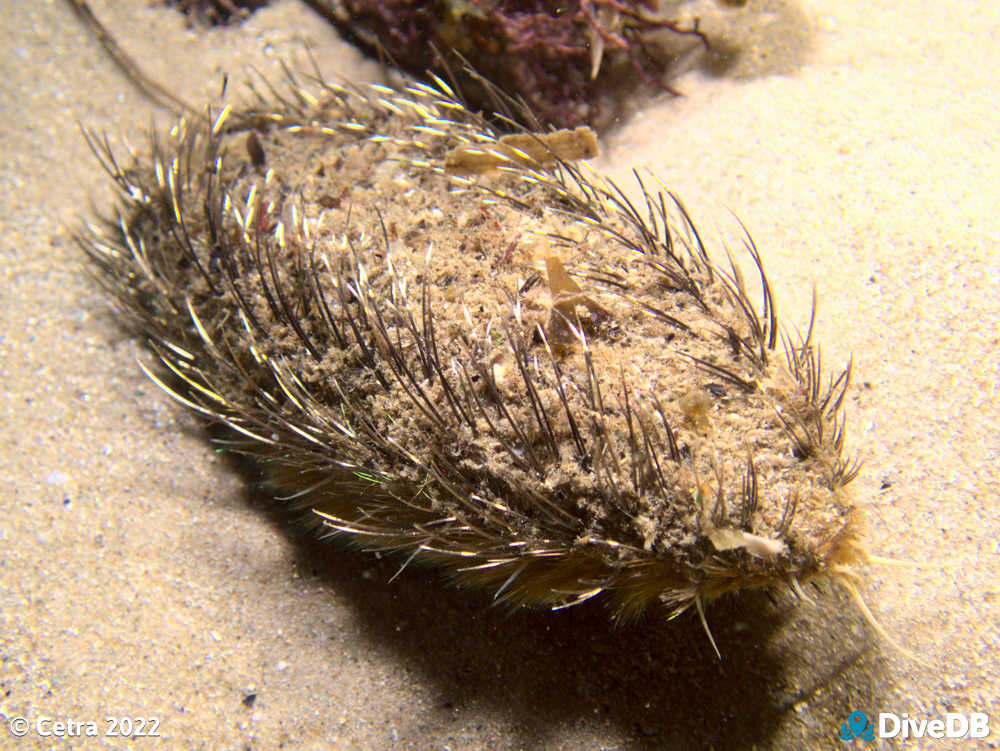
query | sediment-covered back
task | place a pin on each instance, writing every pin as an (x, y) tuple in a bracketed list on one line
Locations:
[(447, 348)]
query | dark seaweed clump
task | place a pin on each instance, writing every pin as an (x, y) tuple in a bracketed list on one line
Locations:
[(216, 12), (559, 57)]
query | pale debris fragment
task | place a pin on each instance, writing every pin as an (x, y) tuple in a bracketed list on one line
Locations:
[(530, 150), (566, 295), (608, 22), (727, 538), (695, 405)]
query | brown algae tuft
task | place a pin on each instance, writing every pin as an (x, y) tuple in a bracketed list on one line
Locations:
[(509, 370)]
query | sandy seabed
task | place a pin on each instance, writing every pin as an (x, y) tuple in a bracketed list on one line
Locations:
[(142, 577)]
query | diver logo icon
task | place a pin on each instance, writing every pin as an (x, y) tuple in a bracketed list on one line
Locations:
[(857, 726)]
